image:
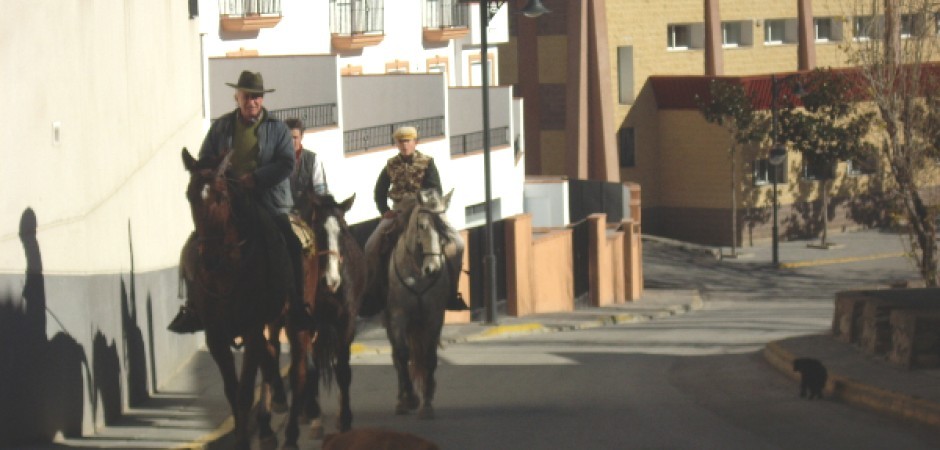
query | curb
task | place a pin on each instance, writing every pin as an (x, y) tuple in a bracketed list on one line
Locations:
[(822, 262), (859, 394)]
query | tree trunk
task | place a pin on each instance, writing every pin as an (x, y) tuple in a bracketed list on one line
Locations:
[(824, 185), (734, 209)]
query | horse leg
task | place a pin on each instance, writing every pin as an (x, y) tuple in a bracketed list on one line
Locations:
[(430, 384), (254, 351), (344, 380), (407, 399), (270, 370), (299, 347), (311, 400), (219, 349)]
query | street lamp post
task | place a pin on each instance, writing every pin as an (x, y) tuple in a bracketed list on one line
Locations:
[(533, 9), (778, 154)]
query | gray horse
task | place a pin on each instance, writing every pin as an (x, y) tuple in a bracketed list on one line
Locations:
[(420, 279)]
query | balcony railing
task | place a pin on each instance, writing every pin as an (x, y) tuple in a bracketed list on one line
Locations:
[(381, 135), (445, 19), (313, 116), (466, 143), (355, 24), (249, 15)]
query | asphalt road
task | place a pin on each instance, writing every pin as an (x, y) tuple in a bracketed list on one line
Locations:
[(693, 381)]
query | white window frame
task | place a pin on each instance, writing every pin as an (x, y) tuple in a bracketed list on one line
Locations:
[(737, 33), (834, 28), (780, 31), (672, 42), (912, 25), (872, 27)]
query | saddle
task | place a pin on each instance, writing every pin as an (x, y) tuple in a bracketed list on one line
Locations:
[(305, 234)]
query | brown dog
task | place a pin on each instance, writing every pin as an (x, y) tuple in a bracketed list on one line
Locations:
[(376, 439)]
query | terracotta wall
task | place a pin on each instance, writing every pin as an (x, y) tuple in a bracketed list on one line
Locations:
[(540, 275)]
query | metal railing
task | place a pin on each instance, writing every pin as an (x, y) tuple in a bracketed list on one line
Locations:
[(465, 143), (357, 17), (446, 14), (363, 139), (249, 7), (313, 116)]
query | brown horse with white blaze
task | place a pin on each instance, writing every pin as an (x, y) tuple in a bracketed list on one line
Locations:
[(339, 287)]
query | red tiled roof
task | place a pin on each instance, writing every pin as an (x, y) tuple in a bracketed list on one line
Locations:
[(680, 91)]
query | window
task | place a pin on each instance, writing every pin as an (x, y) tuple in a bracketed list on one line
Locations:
[(736, 34), (397, 66), (476, 213), (936, 23), (357, 17), (817, 169), (780, 31), (911, 25), (439, 64), (827, 29), (863, 28), (764, 172), (627, 147), (685, 36), (860, 166), (625, 74), (680, 37)]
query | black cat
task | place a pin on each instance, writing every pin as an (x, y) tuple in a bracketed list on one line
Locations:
[(812, 376)]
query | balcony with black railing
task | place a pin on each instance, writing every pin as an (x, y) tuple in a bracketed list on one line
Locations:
[(445, 20), (355, 24), (313, 116), (249, 15), (472, 142), (363, 139)]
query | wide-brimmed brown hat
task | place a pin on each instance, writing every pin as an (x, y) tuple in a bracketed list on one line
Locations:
[(251, 82)]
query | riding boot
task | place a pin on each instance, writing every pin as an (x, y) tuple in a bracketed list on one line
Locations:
[(297, 311), (186, 321), (374, 298), (456, 303)]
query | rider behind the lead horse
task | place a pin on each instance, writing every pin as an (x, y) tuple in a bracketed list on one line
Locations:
[(405, 174)]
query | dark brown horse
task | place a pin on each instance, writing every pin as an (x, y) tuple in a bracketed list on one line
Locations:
[(338, 295), (227, 266)]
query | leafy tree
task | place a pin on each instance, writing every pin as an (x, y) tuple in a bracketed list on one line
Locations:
[(902, 83), (728, 105), (828, 129)]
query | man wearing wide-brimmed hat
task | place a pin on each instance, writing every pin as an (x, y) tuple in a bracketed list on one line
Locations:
[(406, 173), (262, 161)]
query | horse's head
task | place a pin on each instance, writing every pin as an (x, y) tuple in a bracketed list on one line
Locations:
[(427, 229), (211, 206), (328, 220)]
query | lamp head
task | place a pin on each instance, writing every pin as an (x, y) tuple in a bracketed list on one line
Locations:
[(534, 9), (778, 153)]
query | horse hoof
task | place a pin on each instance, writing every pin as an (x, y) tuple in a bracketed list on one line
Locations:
[(290, 447), (426, 413), (316, 429), (401, 409), (268, 443), (278, 406)]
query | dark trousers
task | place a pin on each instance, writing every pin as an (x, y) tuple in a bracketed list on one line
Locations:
[(282, 221)]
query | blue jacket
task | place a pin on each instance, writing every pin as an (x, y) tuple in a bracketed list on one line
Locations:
[(275, 157)]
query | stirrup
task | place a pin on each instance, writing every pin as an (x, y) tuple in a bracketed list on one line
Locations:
[(186, 321)]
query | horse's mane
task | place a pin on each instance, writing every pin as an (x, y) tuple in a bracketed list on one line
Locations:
[(433, 203)]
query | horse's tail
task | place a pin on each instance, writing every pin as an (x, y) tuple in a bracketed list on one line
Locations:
[(324, 351)]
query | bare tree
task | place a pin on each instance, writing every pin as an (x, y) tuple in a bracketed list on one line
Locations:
[(895, 44)]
